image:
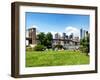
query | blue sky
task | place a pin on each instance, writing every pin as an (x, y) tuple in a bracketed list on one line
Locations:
[(46, 22)]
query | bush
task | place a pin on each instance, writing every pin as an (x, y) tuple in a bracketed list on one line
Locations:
[(39, 48), (59, 46), (84, 49), (29, 49)]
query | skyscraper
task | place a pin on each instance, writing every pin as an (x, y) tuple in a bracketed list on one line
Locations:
[(81, 33), (71, 36), (57, 36), (64, 35), (84, 33), (87, 33)]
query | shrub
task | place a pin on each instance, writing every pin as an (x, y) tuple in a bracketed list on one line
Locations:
[(39, 48), (59, 46), (84, 49), (29, 49)]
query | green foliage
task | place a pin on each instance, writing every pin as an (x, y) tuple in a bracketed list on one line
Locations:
[(41, 38), (39, 48), (48, 40), (29, 49), (55, 58), (84, 44), (45, 39), (58, 46)]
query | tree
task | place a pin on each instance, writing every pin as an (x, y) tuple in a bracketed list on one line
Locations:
[(84, 44), (41, 38), (48, 40), (45, 39)]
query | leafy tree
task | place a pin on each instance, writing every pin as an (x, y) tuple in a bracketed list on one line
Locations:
[(45, 39), (48, 40), (41, 38), (84, 44)]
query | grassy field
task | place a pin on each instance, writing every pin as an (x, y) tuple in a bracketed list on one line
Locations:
[(55, 58)]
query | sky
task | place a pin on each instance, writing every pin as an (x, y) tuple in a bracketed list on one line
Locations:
[(57, 23)]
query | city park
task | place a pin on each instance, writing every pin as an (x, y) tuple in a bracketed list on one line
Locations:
[(46, 54)]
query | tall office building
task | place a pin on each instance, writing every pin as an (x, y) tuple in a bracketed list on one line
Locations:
[(84, 33), (71, 36), (57, 36), (64, 35), (87, 33), (81, 33)]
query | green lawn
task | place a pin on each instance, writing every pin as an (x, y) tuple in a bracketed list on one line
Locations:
[(55, 58)]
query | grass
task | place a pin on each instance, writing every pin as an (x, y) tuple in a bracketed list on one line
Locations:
[(55, 58)]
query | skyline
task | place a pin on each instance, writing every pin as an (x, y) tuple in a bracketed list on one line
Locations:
[(57, 23)]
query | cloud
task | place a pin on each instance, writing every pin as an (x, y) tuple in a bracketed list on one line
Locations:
[(75, 31)]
